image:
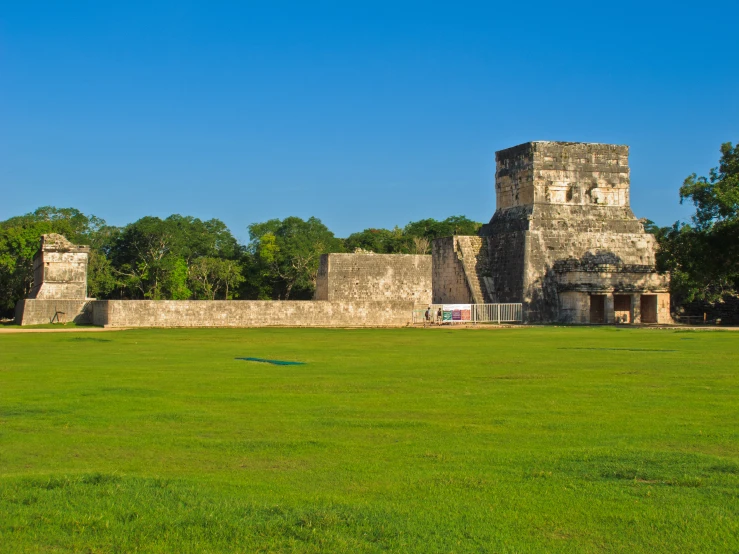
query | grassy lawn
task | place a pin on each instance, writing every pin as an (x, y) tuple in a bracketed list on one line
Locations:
[(406, 440)]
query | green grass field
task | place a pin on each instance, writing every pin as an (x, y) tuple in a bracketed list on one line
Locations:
[(405, 440)]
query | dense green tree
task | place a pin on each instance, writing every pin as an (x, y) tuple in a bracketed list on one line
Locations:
[(716, 197), (213, 276), (151, 257), (432, 229), (414, 238), (381, 241), (703, 258), (285, 255)]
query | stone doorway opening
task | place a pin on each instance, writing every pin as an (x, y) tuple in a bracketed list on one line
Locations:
[(622, 308), (648, 308), (597, 308)]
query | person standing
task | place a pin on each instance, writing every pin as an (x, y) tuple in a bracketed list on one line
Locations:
[(439, 317)]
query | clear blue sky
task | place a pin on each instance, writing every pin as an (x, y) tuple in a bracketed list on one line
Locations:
[(364, 114)]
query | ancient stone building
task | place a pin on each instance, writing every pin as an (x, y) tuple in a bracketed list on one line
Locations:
[(59, 269), (563, 241), (374, 277), (59, 292)]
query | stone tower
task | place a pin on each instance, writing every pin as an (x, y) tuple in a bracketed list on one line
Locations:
[(59, 269), (563, 240)]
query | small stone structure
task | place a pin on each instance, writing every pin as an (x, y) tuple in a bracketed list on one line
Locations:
[(374, 277), (59, 269), (563, 241), (59, 292)]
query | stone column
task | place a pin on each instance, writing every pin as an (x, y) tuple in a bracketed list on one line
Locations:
[(609, 316)]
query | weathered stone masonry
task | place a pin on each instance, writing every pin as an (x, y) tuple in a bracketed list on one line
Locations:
[(563, 240), (374, 277), (59, 269)]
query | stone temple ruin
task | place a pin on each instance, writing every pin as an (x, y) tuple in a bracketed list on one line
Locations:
[(563, 242), (59, 282)]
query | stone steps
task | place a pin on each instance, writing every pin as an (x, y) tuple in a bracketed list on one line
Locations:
[(472, 254)]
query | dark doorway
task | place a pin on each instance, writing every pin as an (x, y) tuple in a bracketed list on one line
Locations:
[(597, 308), (649, 308), (622, 308)]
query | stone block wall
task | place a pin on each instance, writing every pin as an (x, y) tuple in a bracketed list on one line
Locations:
[(40, 312), (506, 255), (448, 275), (250, 313), (374, 277)]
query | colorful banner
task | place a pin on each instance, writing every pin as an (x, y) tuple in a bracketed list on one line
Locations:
[(457, 312)]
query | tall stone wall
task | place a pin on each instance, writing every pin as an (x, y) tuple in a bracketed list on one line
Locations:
[(374, 277), (250, 313)]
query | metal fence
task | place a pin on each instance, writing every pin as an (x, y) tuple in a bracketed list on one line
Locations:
[(478, 313)]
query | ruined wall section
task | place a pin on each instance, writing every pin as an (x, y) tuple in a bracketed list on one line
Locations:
[(374, 277)]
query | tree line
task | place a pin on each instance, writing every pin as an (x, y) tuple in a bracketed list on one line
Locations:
[(183, 257)]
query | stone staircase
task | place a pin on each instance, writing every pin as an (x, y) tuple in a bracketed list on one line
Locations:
[(473, 255)]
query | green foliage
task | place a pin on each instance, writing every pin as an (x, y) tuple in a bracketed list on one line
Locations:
[(152, 257), (285, 254), (212, 276), (703, 258), (414, 238), (433, 229), (380, 241), (176, 279), (403, 440), (716, 198)]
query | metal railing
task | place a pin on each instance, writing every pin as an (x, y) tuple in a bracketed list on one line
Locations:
[(469, 313), (499, 313)]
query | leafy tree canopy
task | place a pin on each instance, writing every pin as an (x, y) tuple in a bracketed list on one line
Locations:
[(152, 256), (433, 229), (286, 254), (716, 197), (703, 258)]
